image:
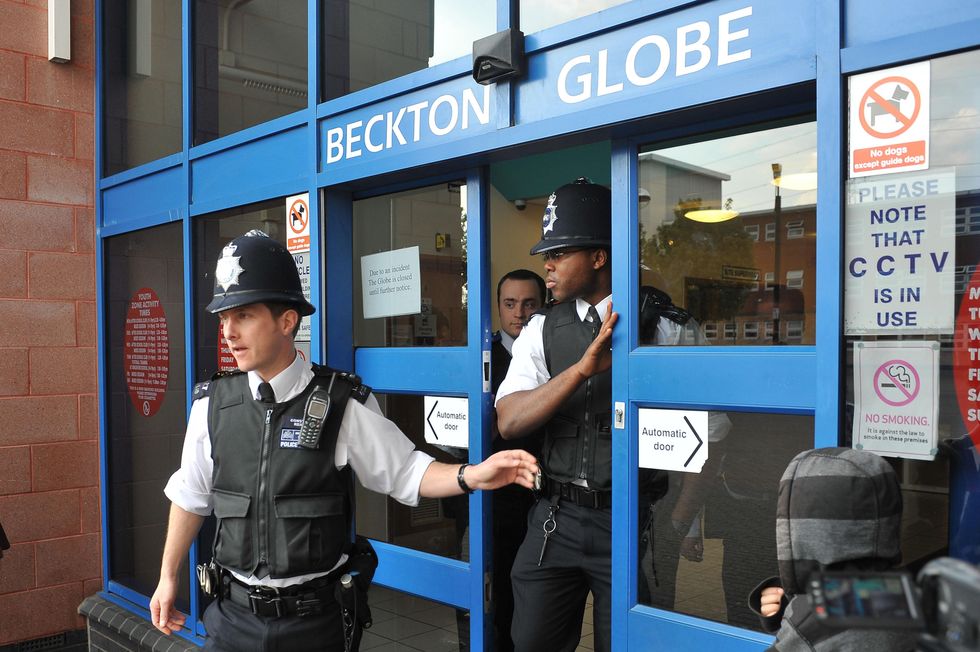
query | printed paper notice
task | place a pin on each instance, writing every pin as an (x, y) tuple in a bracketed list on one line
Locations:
[(391, 284), (896, 398), (447, 421)]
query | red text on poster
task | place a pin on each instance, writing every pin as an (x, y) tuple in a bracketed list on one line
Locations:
[(226, 361), (966, 358), (146, 351)]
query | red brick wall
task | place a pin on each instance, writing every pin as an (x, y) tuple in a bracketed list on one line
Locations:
[(49, 468)]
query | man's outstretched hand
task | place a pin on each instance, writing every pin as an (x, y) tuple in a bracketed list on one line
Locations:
[(506, 467)]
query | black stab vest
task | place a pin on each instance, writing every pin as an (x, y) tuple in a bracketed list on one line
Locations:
[(281, 508), (578, 439)]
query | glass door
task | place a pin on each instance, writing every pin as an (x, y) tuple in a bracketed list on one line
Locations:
[(714, 373)]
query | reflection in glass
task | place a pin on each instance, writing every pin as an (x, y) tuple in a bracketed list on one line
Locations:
[(141, 61), (437, 526), (433, 220), (366, 42), (941, 505), (249, 63), (728, 231), (408, 622), (145, 398), (537, 15), (708, 569)]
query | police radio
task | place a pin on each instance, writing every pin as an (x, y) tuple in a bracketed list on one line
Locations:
[(315, 415)]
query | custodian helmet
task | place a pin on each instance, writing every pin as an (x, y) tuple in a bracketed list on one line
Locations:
[(578, 214), (254, 268)]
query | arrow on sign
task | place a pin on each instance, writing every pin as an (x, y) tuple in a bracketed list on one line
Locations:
[(428, 420), (696, 436)]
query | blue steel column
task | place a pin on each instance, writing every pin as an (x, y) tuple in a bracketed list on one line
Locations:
[(830, 175), (478, 341), (317, 233), (625, 261)]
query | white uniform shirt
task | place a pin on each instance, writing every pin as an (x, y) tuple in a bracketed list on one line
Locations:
[(384, 459), (529, 370)]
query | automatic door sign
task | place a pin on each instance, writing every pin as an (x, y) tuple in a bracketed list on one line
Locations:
[(673, 440), (889, 120), (896, 398), (447, 421), (298, 222), (146, 351)]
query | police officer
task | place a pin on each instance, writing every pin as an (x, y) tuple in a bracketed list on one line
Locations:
[(269, 450), (560, 380)]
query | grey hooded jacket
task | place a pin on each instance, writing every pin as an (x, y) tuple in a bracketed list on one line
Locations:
[(838, 509)]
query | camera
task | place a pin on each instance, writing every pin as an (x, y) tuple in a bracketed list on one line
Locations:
[(520, 204), (943, 604)]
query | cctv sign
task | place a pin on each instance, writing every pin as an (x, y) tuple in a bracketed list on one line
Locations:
[(888, 123)]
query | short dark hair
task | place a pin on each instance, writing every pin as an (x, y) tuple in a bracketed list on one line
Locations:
[(278, 309), (522, 275)]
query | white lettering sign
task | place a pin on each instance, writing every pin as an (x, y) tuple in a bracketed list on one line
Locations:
[(649, 58), (408, 124)]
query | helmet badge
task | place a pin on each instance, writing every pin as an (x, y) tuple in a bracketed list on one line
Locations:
[(550, 215), (228, 268)]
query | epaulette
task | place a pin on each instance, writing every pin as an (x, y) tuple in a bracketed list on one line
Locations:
[(358, 391), (204, 389)]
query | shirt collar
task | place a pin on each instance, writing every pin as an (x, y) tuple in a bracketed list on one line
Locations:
[(287, 383), (582, 308), (507, 341)]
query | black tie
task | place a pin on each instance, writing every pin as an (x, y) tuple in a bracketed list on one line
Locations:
[(266, 395), (593, 317)]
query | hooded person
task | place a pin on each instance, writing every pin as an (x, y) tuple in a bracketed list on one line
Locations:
[(838, 509)]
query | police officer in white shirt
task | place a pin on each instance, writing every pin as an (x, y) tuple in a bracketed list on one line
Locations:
[(269, 449)]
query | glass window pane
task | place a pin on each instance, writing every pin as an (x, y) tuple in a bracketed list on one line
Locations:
[(421, 299), (249, 64), (142, 112), (702, 207), (366, 42), (438, 526), (145, 395), (939, 516), (709, 568), (537, 15)]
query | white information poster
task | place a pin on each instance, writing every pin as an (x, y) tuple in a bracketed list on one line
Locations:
[(447, 421), (391, 284), (896, 398), (673, 440), (899, 252), (888, 120)]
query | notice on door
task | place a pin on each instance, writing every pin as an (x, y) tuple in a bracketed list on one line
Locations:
[(673, 440), (966, 358), (391, 283), (896, 398), (899, 249), (447, 421), (888, 124), (146, 351)]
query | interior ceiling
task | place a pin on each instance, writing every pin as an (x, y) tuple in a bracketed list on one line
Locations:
[(537, 175)]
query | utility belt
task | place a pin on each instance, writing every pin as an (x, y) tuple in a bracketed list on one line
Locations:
[(576, 493), (307, 599)]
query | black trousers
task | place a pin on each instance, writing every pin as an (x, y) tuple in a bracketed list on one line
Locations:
[(233, 628), (549, 600)]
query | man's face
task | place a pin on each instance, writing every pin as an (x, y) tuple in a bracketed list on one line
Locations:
[(570, 273), (518, 301), (259, 341)]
